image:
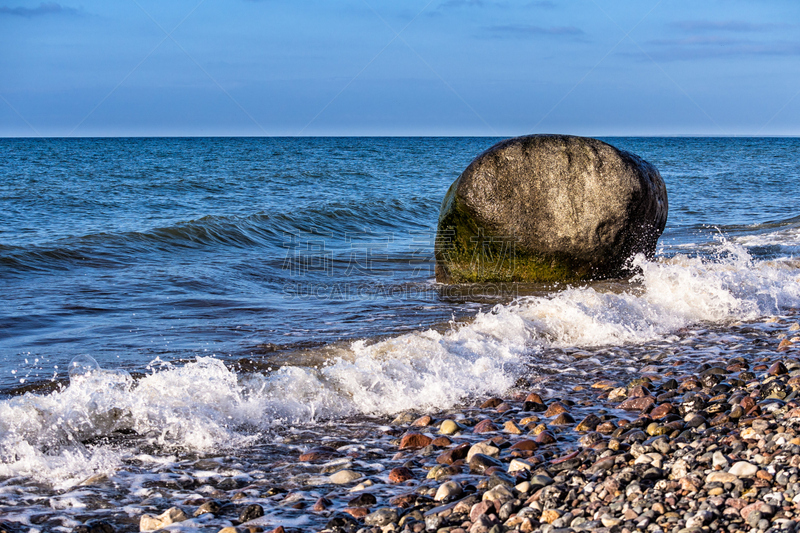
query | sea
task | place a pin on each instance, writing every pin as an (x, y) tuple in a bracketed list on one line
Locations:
[(171, 304)]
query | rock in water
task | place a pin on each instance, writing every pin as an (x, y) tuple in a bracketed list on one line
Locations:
[(547, 208)]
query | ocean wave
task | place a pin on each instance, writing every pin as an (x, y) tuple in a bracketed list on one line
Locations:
[(204, 405), (335, 223), (791, 221), (783, 236)]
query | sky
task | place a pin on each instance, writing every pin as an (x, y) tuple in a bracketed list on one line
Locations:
[(387, 67)]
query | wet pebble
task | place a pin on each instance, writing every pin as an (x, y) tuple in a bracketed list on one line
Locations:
[(344, 476), (172, 515)]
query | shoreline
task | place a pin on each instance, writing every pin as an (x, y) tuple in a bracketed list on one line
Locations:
[(714, 446)]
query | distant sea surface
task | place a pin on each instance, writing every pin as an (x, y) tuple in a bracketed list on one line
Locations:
[(198, 292)]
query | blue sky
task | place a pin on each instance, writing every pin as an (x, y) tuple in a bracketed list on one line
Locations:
[(416, 67)]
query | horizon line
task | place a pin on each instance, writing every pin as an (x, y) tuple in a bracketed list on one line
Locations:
[(367, 136)]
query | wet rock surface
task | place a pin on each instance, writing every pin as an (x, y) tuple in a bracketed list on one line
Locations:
[(546, 208)]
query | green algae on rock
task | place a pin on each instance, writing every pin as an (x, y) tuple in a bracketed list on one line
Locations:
[(549, 208)]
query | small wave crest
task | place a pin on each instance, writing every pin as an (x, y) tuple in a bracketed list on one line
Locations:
[(783, 240)]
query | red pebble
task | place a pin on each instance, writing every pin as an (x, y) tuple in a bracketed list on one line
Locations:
[(356, 512), (484, 426), (400, 474), (414, 440)]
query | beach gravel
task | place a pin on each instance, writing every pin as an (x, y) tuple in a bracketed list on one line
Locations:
[(662, 466)]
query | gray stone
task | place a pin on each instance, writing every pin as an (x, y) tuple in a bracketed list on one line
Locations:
[(540, 480), (484, 448), (208, 507), (699, 519), (481, 462), (743, 469), (251, 512), (753, 518), (447, 491), (719, 460), (381, 517), (344, 476), (549, 208), (500, 493)]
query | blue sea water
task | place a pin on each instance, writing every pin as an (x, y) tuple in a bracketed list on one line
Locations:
[(132, 249), (199, 292)]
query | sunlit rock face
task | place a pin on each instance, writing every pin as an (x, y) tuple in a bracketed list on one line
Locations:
[(549, 208)]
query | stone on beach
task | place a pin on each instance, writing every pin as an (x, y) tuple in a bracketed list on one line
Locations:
[(721, 477), (251, 512), (743, 469), (381, 517), (589, 423), (93, 526), (343, 477), (448, 427), (546, 208), (486, 448), (454, 454), (414, 441), (500, 493), (364, 499), (564, 419), (637, 404), (491, 402), (441, 442), (517, 465), (484, 426), (479, 463), (525, 444), (554, 409), (425, 420), (170, 516), (208, 507), (448, 491), (400, 474), (544, 438), (322, 453)]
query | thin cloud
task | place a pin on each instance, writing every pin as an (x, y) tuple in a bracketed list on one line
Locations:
[(701, 40), (723, 38), (518, 30), (697, 47), (738, 26), (45, 8)]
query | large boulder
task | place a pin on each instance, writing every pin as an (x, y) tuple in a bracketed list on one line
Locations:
[(547, 208)]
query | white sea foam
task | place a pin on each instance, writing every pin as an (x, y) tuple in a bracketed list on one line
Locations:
[(205, 406), (787, 238)]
